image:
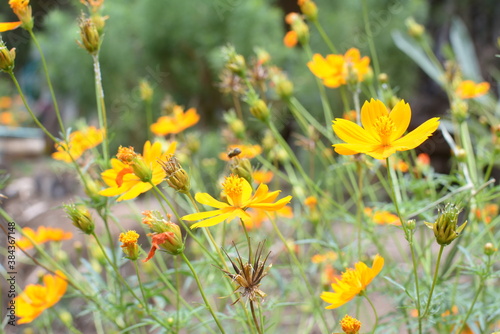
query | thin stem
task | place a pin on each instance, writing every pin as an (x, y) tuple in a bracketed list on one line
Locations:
[(207, 304), (433, 282), (248, 239), (255, 318), (136, 267), (49, 83), (408, 236), (149, 117), (374, 312), (37, 122), (101, 107), (325, 37), (371, 44)]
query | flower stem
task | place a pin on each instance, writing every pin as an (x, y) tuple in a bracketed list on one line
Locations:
[(149, 118), (37, 122), (408, 235), (371, 44), (101, 106), (248, 240), (255, 318), (433, 282), (207, 304), (325, 37), (49, 83), (140, 285), (374, 312)]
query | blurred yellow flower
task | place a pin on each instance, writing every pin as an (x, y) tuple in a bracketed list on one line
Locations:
[(6, 26), (240, 198), (247, 151), (42, 235), (79, 142), (261, 176), (328, 256), (311, 202), (336, 70), (353, 282), (23, 11), (258, 216), (7, 118), (487, 213), (123, 178), (5, 102), (468, 89), (37, 298), (383, 217), (382, 132), (178, 122)]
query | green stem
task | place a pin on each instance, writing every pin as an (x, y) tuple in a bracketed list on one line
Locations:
[(325, 37), (371, 44), (149, 118), (255, 318), (49, 83), (433, 282), (374, 312), (207, 304), (136, 267), (248, 239), (101, 106), (408, 236), (37, 122)]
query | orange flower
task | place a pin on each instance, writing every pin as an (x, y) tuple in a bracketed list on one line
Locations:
[(176, 123), (423, 159), (350, 325), (128, 179), (6, 26), (328, 256), (37, 298), (350, 115), (79, 142), (42, 235), (259, 216), (239, 199), (260, 176), (468, 89), (336, 70), (23, 11), (5, 102), (487, 213), (382, 131), (7, 118), (247, 151), (291, 39), (353, 282), (311, 202), (383, 217)]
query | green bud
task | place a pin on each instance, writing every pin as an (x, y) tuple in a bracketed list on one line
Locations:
[(446, 227), (81, 217)]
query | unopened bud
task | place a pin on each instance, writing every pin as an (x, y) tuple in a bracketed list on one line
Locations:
[(411, 224), (81, 217), (7, 58), (489, 249), (90, 38), (309, 9), (242, 168), (177, 178), (461, 154), (414, 29), (259, 110), (383, 78), (146, 91), (446, 227), (460, 110)]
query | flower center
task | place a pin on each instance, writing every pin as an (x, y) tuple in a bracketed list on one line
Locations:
[(126, 154), (385, 127), (129, 237), (233, 187), (350, 277)]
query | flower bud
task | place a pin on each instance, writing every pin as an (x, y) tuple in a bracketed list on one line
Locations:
[(489, 249), (460, 110), (446, 227), (414, 29), (383, 78), (461, 154), (129, 244), (242, 168), (81, 217), (177, 178), (7, 57), (411, 224), (91, 40), (23, 11), (259, 110), (350, 325), (145, 91), (309, 9)]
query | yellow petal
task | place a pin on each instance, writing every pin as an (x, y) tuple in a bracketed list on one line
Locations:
[(401, 116), (370, 112), (382, 152), (135, 191), (272, 206), (348, 149), (417, 136), (216, 220), (6, 26), (206, 199), (201, 215), (352, 133)]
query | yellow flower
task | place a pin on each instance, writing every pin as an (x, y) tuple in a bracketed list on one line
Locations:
[(353, 282), (6, 26), (37, 298), (261, 176), (176, 123), (23, 11), (129, 244), (350, 325), (328, 256), (79, 142), (336, 70), (382, 132), (239, 197), (122, 178), (42, 235), (246, 151), (468, 89), (383, 217)]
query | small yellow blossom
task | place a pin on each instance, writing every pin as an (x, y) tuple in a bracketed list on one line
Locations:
[(350, 325), (468, 89), (239, 198), (382, 131), (353, 282), (42, 235), (246, 151), (261, 176), (178, 122), (129, 244), (383, 217), (79, 142), (328, 256)]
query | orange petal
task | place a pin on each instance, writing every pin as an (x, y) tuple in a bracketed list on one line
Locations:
[(6, 26)]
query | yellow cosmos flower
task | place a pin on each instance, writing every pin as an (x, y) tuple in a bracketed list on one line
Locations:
[(37, 298), (353, 282), (178, 122), (336, 70), (246, 151), (23, 11), (79, 142), (6, 26), (382, 131), (350, 325), (239, 198), (42, 235), (468, 89), (123, 178), (383, 217)]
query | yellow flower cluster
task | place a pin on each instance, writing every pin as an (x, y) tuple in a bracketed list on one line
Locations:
[(79, 142)]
